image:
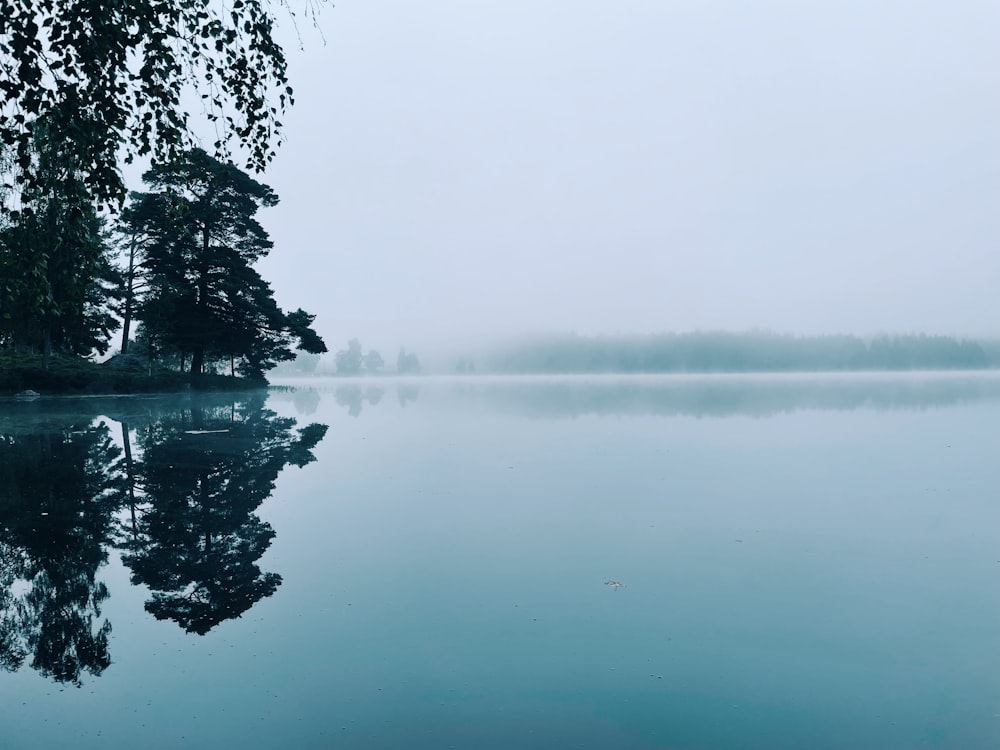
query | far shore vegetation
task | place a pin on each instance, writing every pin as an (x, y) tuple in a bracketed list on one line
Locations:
[(141, 371), (692, 352), (753, 351)]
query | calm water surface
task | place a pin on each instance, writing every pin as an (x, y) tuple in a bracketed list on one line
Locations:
[(809, 562)]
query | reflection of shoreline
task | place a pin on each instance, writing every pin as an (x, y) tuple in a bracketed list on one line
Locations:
[(354, 395), (731, 395), (709, 395), (353, 398), (564, 396), (138, 409)]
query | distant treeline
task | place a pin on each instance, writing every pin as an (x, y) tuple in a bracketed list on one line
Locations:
[(738, 352)]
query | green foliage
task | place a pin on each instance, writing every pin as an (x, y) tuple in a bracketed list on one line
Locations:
[(299, 324), (204, 296), (58, 290), (109, 77)]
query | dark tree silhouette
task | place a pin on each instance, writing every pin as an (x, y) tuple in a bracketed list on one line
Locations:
[(204, 296), (110, 76)]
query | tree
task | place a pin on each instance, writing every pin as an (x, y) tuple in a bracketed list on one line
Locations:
[(110, 78), (58, 284), (132, 241), (374, 362), (349, 360), (407, 362), (204, 296), (305, 363)]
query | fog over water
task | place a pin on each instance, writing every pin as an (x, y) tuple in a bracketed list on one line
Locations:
[(456, 170)]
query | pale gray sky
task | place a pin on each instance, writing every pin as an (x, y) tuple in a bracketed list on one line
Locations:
[(468, 168)]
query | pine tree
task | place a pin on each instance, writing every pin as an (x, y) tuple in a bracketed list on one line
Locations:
[(204, 296)]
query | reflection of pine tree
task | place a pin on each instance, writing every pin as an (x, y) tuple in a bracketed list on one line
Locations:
[(58, 492), (204, 472)]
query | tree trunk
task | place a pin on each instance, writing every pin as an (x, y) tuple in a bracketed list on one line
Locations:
[(46, 348), (197, 361), (198, 355), (129, 296)]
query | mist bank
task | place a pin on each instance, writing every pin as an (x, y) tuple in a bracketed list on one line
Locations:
[(721, 352)]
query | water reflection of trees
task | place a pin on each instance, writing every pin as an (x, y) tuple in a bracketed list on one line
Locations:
[(353, 398), (204, 472), (180, 502), (725, 396), (58, 494), (407, 393)]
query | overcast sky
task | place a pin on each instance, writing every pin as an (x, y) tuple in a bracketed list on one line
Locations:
[(468, 168)]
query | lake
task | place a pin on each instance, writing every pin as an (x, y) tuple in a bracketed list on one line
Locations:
[(806, 562)]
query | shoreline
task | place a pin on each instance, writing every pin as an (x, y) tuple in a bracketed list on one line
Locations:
[(69, 376)]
